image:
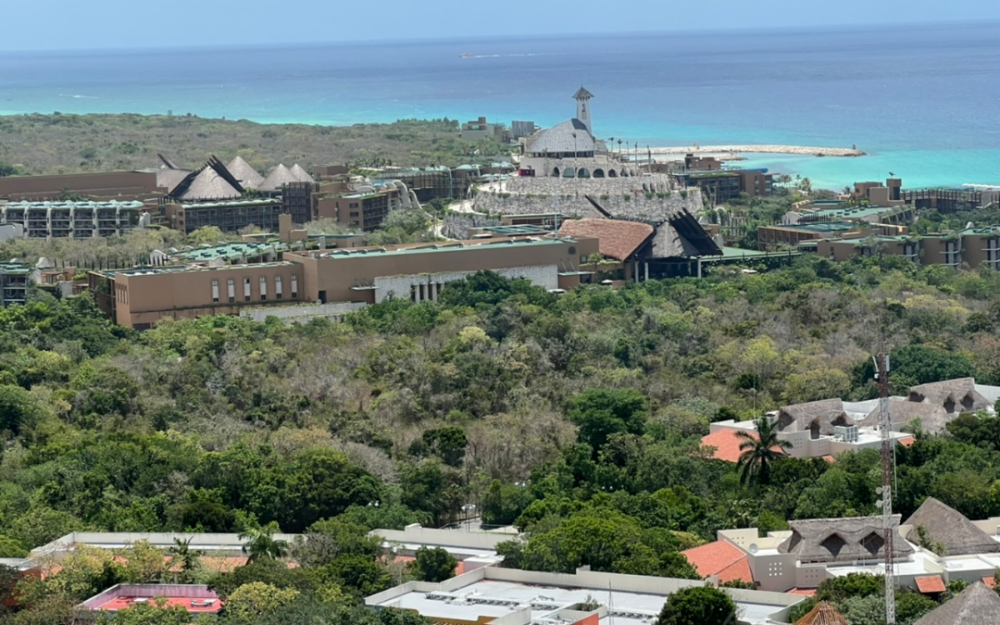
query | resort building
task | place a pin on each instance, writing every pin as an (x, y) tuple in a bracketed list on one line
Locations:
[(935, 546), (569, 149), (362, 206), (355, 277), (776, 237), (480, 130), (823, 429), (13, 283), (76, 220), (227, 215), (878, 194), (498, 596), (972, 247), (119, 185)]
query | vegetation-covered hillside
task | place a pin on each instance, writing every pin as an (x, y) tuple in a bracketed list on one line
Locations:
[(575, 417)]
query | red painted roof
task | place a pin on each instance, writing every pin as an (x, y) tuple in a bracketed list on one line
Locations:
[(720, 559), (726, 443), (930, 584), (210, 606), (615, 239), (805, 592), (906, 442)]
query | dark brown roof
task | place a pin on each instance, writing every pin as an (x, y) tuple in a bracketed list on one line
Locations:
[(976, 605), (617, 239), (582, 94), (840, 540), (249, 177), (823, 614), (932, 417), (949, 528)]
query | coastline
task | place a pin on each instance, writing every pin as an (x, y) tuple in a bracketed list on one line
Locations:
[(800, 150)]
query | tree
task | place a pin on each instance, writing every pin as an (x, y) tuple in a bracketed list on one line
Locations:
[(206, 235), (759, 450), (156, 612), (601, 413), (261, 545), (448, 443), (19, 410), (926, 364), (700, 605), (187, 558), (434, 564), (251, 601)]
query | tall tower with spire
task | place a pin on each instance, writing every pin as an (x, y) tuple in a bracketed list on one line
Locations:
[(582, 98)]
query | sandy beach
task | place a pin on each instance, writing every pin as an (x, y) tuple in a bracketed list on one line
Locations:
[(759, 149)]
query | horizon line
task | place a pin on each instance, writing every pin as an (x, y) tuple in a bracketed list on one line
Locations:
[(511, 36)]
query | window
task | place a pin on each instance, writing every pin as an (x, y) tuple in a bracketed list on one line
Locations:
[(953, 253), (295, 287), (232, 290), (215, 291), (993, 253), (277, 287), (354, 213), (263, 288), (246, 289)]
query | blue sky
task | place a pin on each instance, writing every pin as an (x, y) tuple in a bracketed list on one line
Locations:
[(103, 24)]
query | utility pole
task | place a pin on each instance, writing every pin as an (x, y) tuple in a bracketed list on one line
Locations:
[(888, 531)]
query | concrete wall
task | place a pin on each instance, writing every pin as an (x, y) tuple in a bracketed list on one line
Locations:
[(121, 183), (428, 286), (417, 534), (302, 313)]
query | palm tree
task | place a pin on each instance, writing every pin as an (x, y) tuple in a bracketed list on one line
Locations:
[(759, 450), (187, 557), (261, 545)]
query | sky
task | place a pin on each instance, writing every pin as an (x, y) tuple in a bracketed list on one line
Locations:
[(111, 24)]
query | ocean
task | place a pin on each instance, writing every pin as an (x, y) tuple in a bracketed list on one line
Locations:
[(922, 101)]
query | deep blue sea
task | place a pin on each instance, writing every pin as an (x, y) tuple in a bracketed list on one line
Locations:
[(923, 101)]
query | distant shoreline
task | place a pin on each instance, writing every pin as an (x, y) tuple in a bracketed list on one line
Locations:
[(759, 149)]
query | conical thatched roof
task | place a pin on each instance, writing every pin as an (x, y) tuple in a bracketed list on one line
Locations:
[(211, 182), (822, 416), (840, 540), (249, 177), (279, 177), (976, 605), (948, 527), (823, 614), (301, 174)]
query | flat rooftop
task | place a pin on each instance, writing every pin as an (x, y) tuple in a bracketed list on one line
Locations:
[(72, 205), (826, 226), (494, 599), (455, 246), (858, 213), (193, 598), (229, 203), (15, 268), (231, 250), (154, 271)]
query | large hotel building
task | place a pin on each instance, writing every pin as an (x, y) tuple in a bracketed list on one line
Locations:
[(138, 298)]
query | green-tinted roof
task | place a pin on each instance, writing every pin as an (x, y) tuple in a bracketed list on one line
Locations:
[(232, 250), (69, 205), (443, 247), (826, 226), (257, 202), (15, 268), (858, 213), (155, 271)]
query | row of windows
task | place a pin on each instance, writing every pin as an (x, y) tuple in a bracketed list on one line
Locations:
[(262, 289)]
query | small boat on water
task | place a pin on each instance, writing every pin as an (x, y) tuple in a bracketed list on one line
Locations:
[(467, 55)]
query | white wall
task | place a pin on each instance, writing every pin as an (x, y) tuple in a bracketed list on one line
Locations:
[(399, 287)]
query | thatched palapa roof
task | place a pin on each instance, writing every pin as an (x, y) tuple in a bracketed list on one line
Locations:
[(932, 417), (211, 182), (823, 614), (957, 395), (279, 177), (301, 174), (839, 540), (249, 177), (976, 605), (949, 528), (819, 416)]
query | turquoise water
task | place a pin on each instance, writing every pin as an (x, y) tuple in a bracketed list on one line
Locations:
[(924, 102)]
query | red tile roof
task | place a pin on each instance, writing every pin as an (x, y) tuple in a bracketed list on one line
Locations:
[(829, 459), (720, 559), (805, 592), (930, 584), (906, 442), (726, 443), (616, 239)]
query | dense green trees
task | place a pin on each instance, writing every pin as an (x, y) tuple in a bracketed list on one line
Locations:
[(577, 418), (759, 450), (702, 605), (434, 564)]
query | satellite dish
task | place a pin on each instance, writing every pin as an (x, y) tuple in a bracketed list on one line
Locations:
[(753, 548)]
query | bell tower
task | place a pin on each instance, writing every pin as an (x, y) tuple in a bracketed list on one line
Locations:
[(582, 98)]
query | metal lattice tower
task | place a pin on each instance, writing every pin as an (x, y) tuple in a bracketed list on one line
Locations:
[(888, 461)]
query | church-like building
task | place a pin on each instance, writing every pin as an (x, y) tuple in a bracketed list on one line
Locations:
[(569, 149)]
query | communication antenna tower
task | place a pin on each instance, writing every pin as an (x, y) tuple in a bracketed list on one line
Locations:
[(888, 531)]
